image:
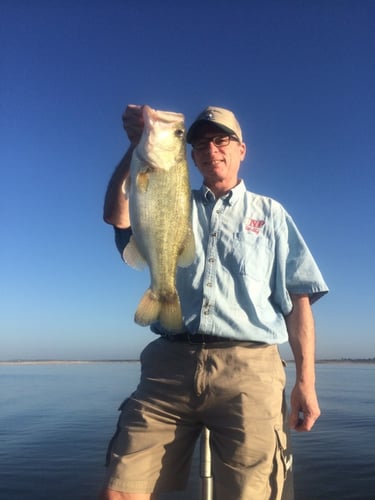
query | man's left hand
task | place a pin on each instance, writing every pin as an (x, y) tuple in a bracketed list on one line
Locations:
[(304, 408)]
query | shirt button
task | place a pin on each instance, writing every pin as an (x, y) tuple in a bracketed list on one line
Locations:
[(214, 235), (209, 284), (211, 259)]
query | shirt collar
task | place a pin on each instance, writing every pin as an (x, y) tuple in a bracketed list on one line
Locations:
[(229, 198)]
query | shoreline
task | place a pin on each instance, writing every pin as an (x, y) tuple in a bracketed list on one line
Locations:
[(65, 362)]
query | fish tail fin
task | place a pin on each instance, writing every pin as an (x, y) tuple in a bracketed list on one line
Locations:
[(148, 309), (170, 314), (166, 309)]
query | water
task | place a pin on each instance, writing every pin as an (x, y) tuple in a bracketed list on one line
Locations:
[(56, 420)]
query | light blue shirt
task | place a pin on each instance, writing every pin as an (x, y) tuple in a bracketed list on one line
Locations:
[(250, 257)]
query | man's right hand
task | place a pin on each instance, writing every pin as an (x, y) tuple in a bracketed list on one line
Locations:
[(133, 123), (116, 206)]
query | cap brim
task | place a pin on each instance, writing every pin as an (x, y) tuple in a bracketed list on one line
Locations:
[(193, 129)]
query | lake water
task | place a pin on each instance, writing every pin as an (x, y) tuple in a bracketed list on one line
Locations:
[(56, 420)]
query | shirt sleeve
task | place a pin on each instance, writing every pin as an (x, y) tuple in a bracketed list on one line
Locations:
[(122, 237), (296, 271)]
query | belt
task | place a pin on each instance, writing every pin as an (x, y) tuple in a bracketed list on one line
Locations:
[(196, 338)]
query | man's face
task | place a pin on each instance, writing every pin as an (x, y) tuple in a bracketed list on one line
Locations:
[(217, 164)]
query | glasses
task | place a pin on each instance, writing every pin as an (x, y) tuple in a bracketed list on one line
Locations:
[(220, 141)]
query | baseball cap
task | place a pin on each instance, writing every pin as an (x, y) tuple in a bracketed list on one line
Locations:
[(221, 117)]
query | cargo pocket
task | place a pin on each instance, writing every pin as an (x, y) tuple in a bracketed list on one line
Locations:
[(281, 481), (117, 432)]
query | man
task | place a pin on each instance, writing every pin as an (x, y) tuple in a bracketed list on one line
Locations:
[(248, 290)]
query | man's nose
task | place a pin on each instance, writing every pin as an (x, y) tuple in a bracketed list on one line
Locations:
[(212, 146)]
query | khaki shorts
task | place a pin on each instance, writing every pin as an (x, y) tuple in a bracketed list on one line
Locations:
[(235, 389)]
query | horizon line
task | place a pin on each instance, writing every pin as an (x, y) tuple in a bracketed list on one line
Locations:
[(134, 360)]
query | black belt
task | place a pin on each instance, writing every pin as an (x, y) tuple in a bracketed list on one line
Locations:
[(197, 338)]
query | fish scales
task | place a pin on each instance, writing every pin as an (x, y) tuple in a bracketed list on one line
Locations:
[(160, 213)]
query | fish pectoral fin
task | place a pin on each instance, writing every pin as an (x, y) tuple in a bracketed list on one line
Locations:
[(187, 254), (132, 256), (142, 181)]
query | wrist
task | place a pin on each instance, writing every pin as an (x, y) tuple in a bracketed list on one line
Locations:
[(305, 380)]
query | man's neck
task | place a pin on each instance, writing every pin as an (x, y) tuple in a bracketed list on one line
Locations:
[(221, 188)]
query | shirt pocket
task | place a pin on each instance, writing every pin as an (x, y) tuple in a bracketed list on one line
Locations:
[(250, 256)]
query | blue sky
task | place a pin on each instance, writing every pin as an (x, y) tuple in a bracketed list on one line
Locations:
[(298, 74)]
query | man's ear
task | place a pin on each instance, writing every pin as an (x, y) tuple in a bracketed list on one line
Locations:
[(242, 151)]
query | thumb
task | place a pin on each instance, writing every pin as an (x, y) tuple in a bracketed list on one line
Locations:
[(294, 419)]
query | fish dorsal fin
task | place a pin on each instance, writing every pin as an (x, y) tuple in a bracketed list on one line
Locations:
[(187, 255), (132, 256)]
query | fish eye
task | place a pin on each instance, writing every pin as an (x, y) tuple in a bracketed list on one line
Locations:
[(179, 132)]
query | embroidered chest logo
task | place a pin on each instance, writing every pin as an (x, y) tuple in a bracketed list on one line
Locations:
[(254, 225)]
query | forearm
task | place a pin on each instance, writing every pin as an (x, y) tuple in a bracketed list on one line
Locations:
[(301, 330), (116, 205), (304, 402)]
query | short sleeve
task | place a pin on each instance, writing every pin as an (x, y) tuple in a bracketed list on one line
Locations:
[(296, 271), (122, 237)]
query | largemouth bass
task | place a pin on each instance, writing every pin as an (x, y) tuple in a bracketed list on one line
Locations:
[(160, 209)]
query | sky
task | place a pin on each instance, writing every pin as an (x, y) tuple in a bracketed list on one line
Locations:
[(299, 75)]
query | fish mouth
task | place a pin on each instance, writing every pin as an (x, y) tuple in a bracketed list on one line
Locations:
[(150, 116)]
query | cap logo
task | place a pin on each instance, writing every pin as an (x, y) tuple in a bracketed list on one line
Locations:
[(209, 115)]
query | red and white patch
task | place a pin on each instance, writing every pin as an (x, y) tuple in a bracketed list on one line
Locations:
[(254, 225)]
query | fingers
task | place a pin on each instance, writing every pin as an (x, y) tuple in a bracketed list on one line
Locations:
[(294, 420), (132, 120), (132, 112), (304, 409), (133, 116), (302, 422)]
